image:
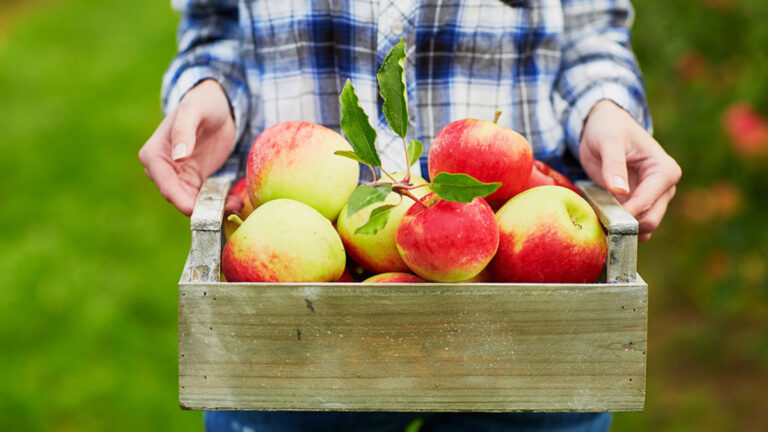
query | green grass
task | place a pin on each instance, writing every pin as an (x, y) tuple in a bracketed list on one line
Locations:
[(90, 253)]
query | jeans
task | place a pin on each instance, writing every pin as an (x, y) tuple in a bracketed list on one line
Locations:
[(295, 421)]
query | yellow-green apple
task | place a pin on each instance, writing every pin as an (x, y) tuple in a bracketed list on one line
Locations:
[(445, 241), (486, 151), (394, 277), (239, 190), (542, 175), (296, 160), (284, 241), (548, 234), (482, 277), (377, 253)]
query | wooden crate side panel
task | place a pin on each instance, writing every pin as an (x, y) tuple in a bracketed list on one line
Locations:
[(406, 348)]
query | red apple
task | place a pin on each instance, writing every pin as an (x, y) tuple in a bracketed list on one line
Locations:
[(542, 175), (486, 151), (240, 190), (394, 277), (284, 241), (548, 234), (296, 160), (447, 241)]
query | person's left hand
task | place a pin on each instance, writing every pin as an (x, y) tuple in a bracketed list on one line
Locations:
[(619, 155)]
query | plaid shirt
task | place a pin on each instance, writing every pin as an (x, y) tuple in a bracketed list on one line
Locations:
[(544, 63)]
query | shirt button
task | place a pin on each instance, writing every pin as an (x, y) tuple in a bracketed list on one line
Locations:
[(397, 28)]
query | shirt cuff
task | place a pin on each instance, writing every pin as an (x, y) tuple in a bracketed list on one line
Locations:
[(613, 91), (236, 92)]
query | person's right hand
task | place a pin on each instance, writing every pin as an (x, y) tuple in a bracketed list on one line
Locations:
[(191, 143)]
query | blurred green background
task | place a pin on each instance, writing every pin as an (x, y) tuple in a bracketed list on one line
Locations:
[(91, 254)]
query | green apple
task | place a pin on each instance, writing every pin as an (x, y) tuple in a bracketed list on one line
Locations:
[(296, 160), (284, 241)]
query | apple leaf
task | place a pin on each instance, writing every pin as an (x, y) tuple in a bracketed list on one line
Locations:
[(350, 154), (391, 77), (415, 150), (461, 187), (366, 195), (377, 220), (355, 124)]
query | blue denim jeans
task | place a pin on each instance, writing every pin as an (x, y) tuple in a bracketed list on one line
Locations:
[(299, 421)]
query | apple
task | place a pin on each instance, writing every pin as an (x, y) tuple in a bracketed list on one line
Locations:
[(548, 234), (346, 276), (394, 277), (542, 175), (284, 241), (377, 253), (482, 277), (447, 241), (296, 160), (240, 190), (486, 151)]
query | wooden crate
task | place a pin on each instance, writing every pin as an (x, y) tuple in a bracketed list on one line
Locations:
[(429, 347)]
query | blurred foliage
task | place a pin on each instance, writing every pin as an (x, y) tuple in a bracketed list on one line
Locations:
[(90, 253)]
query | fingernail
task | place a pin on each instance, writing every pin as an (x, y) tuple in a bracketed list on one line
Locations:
[(179, 151), (619, 183)]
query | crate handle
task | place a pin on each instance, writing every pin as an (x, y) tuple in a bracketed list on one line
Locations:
[(621, 229), (204, 260)]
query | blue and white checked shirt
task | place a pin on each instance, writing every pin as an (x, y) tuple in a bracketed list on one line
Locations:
[(544, 63)]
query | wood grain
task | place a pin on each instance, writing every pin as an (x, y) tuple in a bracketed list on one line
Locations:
[(435, 347)]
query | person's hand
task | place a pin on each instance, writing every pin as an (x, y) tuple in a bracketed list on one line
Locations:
[(618, 154), (190, 144)]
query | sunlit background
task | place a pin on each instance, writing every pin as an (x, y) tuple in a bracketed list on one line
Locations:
[(90, 254)]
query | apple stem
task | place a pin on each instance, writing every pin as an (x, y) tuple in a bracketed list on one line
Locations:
[(388, 175), (235, 218), (408, 193), (407, 178), (411, 187), (373, 173), (496, 116)]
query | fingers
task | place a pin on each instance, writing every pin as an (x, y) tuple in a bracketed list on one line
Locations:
[(614, 166), (158, 166), (181, 195), (651, 219), (184, 131)]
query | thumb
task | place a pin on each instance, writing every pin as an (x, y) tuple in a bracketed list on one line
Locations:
[(614, 167), (184, 132)]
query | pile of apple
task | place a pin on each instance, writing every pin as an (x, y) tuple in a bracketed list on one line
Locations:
[(491, 213)]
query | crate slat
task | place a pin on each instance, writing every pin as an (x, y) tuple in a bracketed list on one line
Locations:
[(436, 347)]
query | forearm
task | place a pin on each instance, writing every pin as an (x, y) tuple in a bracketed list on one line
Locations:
[(597, 64), (209, 48)]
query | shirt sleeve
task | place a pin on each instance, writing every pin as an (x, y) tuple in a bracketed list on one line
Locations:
[(210, 46), (598, 63)]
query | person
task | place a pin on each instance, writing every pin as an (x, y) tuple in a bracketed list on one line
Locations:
[(562, 72)]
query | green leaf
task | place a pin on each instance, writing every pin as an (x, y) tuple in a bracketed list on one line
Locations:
[(461, 187), (349, 154), (377, 220), (392, 88), (415, 149), (366, 195), (354, 123)]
